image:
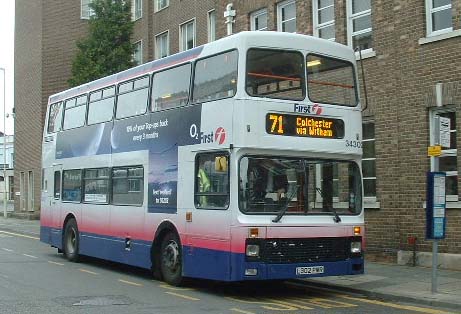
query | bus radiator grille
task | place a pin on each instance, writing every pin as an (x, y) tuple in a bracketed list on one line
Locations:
[(305, 250)]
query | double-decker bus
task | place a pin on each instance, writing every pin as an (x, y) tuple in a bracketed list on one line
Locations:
[(236, 160)]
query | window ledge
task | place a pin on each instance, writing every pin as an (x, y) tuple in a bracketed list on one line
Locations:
[(369, 53), (371, 204), (160, 10), (450, 205), (431, 39)]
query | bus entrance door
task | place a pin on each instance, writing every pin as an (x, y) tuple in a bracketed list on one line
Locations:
[(54, 200)]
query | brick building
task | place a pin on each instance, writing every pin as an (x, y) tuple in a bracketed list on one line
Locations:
[(408, 48)]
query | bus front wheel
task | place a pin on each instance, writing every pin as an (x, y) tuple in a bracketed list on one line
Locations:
[(171, 259), (71, 241)]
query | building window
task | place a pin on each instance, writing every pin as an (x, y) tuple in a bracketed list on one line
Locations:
[(136, 9), (162, 45), (286, 16), (369, 160), (258, 20), (359, 27), (137, 54), (160, 4), (211, 26), (448, 159), (187, 35), (438, 17), (30, 195), (86, 12), (324, 19), (212, 181)]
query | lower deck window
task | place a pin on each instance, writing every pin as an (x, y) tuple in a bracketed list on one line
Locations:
[(96, 184), (72, 185), (128, 185)]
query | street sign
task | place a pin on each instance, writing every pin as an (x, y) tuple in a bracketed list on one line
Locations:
[(434, 151), (435, 206), (444, 129)]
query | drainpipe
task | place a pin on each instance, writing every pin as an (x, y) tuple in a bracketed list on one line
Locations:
[(229, 14)]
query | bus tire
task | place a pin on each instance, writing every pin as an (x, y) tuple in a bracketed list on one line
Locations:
[(71, 241), (171, 259)]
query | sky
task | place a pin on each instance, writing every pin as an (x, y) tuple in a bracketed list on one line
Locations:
[(7, 62)]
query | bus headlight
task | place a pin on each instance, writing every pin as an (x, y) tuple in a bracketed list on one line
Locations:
[(356, 247), (252, 250)]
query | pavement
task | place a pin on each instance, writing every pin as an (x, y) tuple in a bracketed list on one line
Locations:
[(390, 282)]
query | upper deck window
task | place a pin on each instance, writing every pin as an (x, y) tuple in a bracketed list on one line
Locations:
[(166, 95), (55, 117), (331, 81), (132, 98), (101, 105), (74, 112), (215, 77), (275, 74)]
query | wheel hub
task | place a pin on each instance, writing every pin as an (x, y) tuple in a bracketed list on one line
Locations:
[(171, 255)]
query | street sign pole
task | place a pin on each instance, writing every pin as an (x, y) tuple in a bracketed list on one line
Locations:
[(436, 194)]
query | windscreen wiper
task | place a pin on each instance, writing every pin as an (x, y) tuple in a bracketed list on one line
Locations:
[(284, 209), (336, 217)]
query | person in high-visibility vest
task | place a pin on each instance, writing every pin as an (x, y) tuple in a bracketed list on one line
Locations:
[(203, 184)]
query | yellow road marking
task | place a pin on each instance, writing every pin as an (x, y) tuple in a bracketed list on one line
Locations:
[(397, 306), (323, 303), (131, 283), (31, 256), (174, 288), (295, 306), (56, 263), (20, 235), (182, 296), (87, 271), (274, 306), (241, 311)]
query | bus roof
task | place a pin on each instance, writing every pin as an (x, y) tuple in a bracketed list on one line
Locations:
[(242, 40)]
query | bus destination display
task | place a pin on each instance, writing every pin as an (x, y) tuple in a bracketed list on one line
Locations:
[(304, 126)]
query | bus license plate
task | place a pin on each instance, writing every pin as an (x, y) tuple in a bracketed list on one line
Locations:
[(309, 270)]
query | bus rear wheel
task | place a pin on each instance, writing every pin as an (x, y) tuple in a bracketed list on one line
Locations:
[(71, 241), (171, 259)]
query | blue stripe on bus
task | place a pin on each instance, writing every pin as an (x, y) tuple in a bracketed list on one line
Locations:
[(198, 262)]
